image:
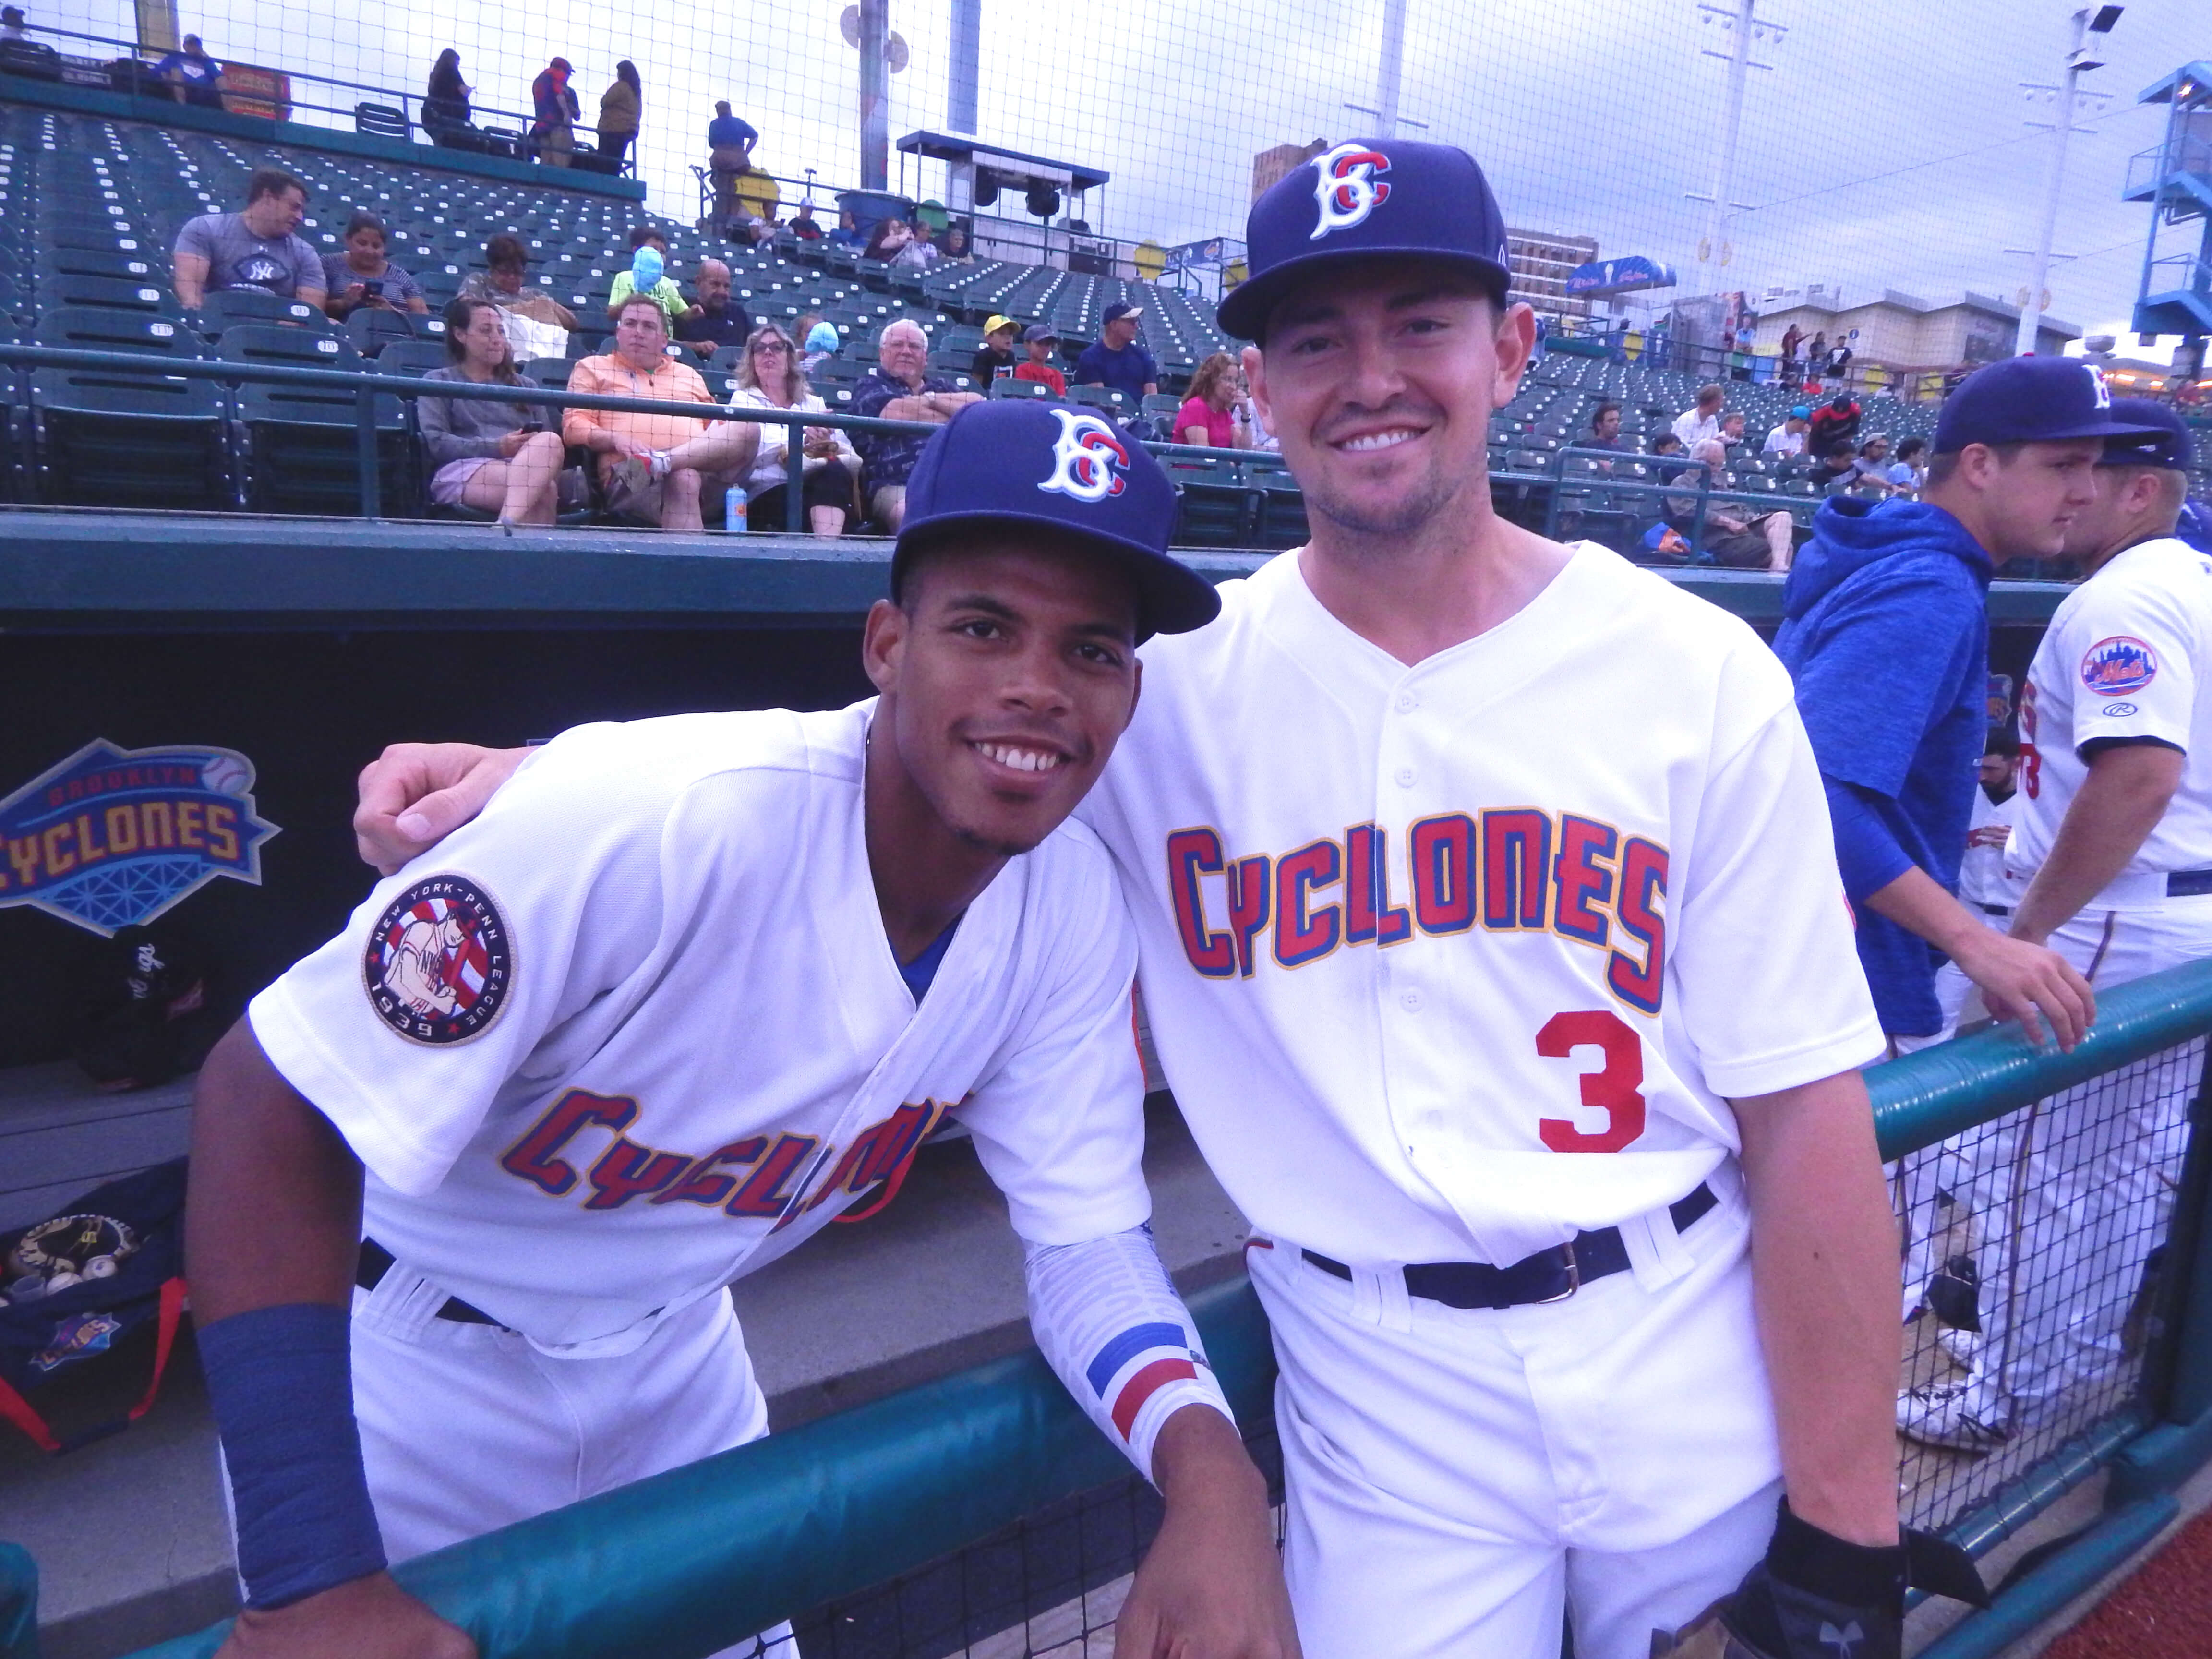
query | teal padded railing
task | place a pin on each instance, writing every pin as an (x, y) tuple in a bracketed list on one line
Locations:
[(692, 1560)]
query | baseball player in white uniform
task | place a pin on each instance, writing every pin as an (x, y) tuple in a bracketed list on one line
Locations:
[(2111, 850), (692, 990), (1461, 864)]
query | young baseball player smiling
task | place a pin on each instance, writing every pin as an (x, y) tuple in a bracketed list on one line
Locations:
[(692, 990)]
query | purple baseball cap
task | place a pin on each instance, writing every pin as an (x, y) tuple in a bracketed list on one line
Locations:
[(2166, 439), (1367, 198), (1023, 464), (2030, 400)]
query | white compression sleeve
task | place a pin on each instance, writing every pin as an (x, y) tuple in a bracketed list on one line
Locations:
[(1110, 1323)]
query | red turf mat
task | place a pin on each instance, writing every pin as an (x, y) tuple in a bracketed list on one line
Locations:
[(2164, 1612)]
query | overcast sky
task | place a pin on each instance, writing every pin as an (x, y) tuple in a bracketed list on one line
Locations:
[(1887, 146)]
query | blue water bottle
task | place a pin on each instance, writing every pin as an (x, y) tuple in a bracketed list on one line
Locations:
[(734, 510)]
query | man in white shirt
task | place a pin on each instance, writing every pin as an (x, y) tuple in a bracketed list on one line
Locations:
[(1703, 420), (1789, 438)]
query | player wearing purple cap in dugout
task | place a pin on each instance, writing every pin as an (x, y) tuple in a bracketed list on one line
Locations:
[(469, 1182), (1460, 861)]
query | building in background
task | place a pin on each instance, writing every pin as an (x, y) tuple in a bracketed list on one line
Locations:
[(1272, 166), (1540, 263), (1898, 335)]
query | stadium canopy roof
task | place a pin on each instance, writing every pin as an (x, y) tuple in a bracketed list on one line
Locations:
[(2192, 81)]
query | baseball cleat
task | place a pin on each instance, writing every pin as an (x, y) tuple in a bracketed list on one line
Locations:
[(1949, 1415)]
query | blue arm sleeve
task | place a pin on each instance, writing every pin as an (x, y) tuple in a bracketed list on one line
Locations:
[(1867, 852)]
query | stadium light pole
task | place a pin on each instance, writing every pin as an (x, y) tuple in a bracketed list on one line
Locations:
[(1389, 73), (1743, 17), (2090, 20), (875, 94)]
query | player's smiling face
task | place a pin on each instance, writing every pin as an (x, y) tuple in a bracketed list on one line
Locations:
[(1008, 671), (1379, 378)]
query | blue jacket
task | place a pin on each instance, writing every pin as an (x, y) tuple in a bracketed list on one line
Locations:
[(1885, 632)]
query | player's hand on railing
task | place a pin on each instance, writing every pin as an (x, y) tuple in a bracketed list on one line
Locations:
[(415, 794), (1211, 1585), (369, 1618), (2018, 978)]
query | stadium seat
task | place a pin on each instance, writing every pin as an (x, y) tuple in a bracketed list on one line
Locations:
[(382, 121), (413, 357), (301, 448), (229, 306), (1214, 508), (93, 328), (113, 293), (269, 343), (370, 330), (1007, 386), (135, 268), (119, 440)]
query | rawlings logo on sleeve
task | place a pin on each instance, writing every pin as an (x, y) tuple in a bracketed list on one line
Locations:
[(2117, 665), (439, 964)]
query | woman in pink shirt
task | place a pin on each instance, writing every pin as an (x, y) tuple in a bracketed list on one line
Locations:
[(1206, 417)]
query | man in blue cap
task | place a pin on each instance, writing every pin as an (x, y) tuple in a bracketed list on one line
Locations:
[(2111, 853), (1460, 862), (468, 1182), (1885, 632)]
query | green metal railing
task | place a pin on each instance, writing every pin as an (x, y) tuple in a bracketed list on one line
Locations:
[(690, 1560)]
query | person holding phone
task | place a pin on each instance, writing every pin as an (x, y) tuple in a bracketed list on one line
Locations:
[(495, 457), (361, 276)]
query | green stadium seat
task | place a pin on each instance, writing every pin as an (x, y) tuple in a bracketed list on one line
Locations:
[(1007, 386), (414, 358), (229, 306), (108, 438), (301, 447), (1214, 507), (93, 328), (111, 293)]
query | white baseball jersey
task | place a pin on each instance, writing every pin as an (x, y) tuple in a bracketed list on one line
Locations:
[(1452, 960), (637, 1029), (2128, 655), (1982, 877)]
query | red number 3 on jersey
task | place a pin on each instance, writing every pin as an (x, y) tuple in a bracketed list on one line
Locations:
[(1617, 1085)]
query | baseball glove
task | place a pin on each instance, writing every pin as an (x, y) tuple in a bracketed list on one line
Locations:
[(1815, 1596)]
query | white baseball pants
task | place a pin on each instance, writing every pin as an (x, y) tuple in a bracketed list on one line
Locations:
[(467, 1428), (1459, 1479)]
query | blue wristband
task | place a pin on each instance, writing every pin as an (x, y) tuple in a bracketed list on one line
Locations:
[(281, 1381)]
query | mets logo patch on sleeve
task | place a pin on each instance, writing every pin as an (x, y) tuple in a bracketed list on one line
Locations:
[(439, 964), (2118, 665)]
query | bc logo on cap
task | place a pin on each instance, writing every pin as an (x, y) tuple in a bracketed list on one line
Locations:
[(2098, 390), (1346, 188), (1087, 460)]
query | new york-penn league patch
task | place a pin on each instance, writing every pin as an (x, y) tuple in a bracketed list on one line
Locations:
[(439, 964)]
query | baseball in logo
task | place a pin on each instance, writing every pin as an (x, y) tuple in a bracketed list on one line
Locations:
[(1346, 188), (1088, 460), (439, 964), (2113, 667)]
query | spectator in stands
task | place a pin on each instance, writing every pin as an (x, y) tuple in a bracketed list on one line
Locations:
[(553, 132), (195, 77), (1248, 411), (664, 291), (361, 276), (504, 282), (999, 334), (1040, 343), (654, 466), (1209, 415), (1793, 367), (770, 378), (1870, 468), (919, 252), (1115, 360), (1815, 350), (622, 107), (899, 388), (716, 320), (256, 249), (1907, 473), (1835, 422), (1604, 430), (1734, 534), (1732, 427), (1701, 421), (11, 23), (822, 344), (848, 234), (1789, 438), (1837, 365), (496, 457), (1836, 465), (447, 116), (955, 245), (729, 142), (888, 239)]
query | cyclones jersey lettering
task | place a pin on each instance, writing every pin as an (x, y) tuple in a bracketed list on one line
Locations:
[(703, 1051), (1492, 871), (1447, 960), (2125, 658)]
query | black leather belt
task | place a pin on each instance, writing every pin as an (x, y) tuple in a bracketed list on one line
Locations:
[(1994, 909), (1552, 1275), (376, 1262)]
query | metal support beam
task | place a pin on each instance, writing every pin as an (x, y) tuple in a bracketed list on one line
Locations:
[(875, 94)]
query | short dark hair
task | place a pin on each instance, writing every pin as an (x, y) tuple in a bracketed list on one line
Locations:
[(1911, 447), (1942, 466), (505, 250), (644, 233), (271, 181), (1665, 443), (632, 301), (2002, 742), (362, 219), (1599, 413)]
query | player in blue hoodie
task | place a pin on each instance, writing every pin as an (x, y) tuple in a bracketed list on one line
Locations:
[(1886, 631)]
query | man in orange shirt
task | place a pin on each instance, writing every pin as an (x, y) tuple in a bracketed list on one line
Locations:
[(655, 465)]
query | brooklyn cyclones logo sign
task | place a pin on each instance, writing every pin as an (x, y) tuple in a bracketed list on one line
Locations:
[(1088, 460), (439, 966), (1346, 187)]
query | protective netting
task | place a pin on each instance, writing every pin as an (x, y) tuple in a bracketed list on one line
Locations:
[(2035, 1266)]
